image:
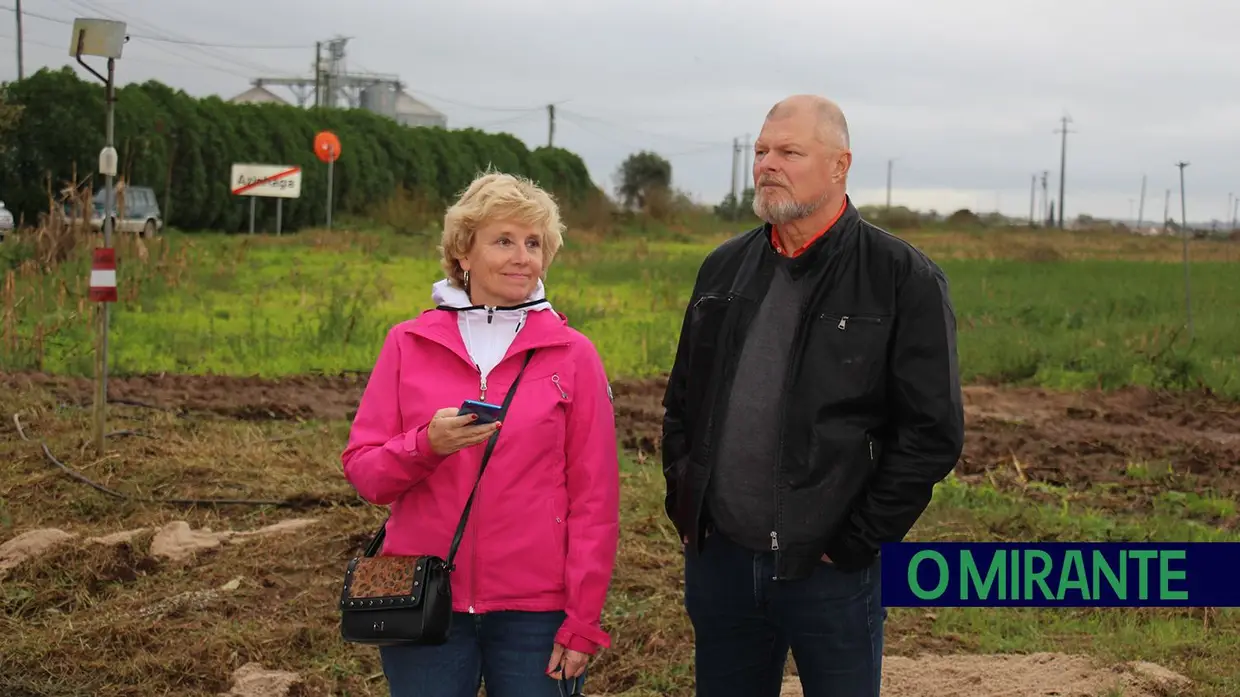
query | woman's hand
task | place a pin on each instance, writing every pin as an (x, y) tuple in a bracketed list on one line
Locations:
[(566, 663), (449, 433)]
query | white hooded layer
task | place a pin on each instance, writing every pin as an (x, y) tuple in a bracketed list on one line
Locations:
[(489, 332)]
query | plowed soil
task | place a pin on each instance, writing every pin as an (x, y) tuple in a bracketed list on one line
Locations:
[(1080, 440), (1123, 450)]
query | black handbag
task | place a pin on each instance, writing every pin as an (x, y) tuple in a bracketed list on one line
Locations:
[(390, 600)]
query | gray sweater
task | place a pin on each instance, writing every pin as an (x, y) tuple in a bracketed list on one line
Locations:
[(741, 495)]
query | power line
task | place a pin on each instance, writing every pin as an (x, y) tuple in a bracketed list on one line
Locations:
[(511, 109), (183, 62), (214, 54), (163, 39), (583, 123), (620, 127), (502, 122)]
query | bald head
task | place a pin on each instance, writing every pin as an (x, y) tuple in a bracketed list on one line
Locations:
[(801, 162), (832, 126)]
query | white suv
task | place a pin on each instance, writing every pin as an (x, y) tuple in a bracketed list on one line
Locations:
[(6, 220)]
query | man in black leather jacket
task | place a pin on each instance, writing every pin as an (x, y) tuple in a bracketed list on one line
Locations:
[(814, 403)]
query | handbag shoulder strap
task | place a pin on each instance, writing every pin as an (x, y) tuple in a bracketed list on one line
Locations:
[(374, 546)]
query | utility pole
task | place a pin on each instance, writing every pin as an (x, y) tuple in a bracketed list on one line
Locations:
[(1188, 296), (21, 71), (1033, 198), (318, 73), (1166, 211), (1046, 198), (1063, 159), (551, 125), (1141, 208), (1235, 212), (747, 173), (736, 154), (890, 161)]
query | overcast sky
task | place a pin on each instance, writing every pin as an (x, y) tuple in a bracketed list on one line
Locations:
[(965, 95)]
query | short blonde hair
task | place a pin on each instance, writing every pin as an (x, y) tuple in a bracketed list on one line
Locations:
[(497, 196)]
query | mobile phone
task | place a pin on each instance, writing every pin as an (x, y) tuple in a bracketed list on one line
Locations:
[(487, 413)]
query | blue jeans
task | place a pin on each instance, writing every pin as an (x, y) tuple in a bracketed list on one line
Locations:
[(745, 623), (507, 650)]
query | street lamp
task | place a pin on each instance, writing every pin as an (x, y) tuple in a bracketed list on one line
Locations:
[(104, 38)]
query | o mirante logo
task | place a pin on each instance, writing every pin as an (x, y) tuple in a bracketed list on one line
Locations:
[(1060, 574)]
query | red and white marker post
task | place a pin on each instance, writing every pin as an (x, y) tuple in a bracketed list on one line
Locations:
[(102, 291), (103, 275)]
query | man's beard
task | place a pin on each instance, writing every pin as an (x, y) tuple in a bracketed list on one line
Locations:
[(782, 212)]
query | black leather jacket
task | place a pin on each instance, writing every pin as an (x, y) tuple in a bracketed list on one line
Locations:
[(873, 415)]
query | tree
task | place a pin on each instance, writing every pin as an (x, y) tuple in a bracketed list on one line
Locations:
[(184, 149), (732, 209), (640, 176), (9, 113)]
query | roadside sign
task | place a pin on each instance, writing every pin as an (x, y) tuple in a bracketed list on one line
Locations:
[(327, 146), (266, 181), (327, 149), (275, 181)]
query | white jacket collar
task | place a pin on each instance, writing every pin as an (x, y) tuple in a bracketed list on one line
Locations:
[(443, 293)]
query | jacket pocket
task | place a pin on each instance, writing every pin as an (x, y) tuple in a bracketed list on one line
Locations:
[(557, 526), (540, 412), (848, 353), (705, 326), (680, 503), (556, 523)]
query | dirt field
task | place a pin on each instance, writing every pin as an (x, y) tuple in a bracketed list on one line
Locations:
[(148, 618), (1084, 441)]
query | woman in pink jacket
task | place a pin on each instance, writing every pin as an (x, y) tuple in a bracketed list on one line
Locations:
[(535, 562)]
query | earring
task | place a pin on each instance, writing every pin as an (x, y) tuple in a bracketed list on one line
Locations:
[(466, 280)]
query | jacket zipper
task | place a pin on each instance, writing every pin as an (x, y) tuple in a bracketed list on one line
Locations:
[(843, 323), (473, 584), (779, 451), (474, 518), (473, 550), (720, 399), (793, 359)]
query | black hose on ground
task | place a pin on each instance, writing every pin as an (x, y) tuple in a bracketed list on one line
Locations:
[(300, 501)]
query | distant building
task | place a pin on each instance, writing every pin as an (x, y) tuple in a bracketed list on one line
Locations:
[(414, 112), (386, 100), (380, 97), (258, 95)]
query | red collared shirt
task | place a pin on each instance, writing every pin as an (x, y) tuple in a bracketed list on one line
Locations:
[(779, 247)]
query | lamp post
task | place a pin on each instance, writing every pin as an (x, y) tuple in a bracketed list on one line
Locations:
[(103, 38)]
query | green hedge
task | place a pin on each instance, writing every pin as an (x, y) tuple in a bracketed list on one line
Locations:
[(62, 122)]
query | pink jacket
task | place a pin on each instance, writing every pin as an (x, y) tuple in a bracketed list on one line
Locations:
[(544, 527)]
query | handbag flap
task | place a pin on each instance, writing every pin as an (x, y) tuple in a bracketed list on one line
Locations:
[(382, 582)]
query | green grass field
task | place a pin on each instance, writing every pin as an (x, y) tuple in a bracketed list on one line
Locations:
[(236, 306)]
